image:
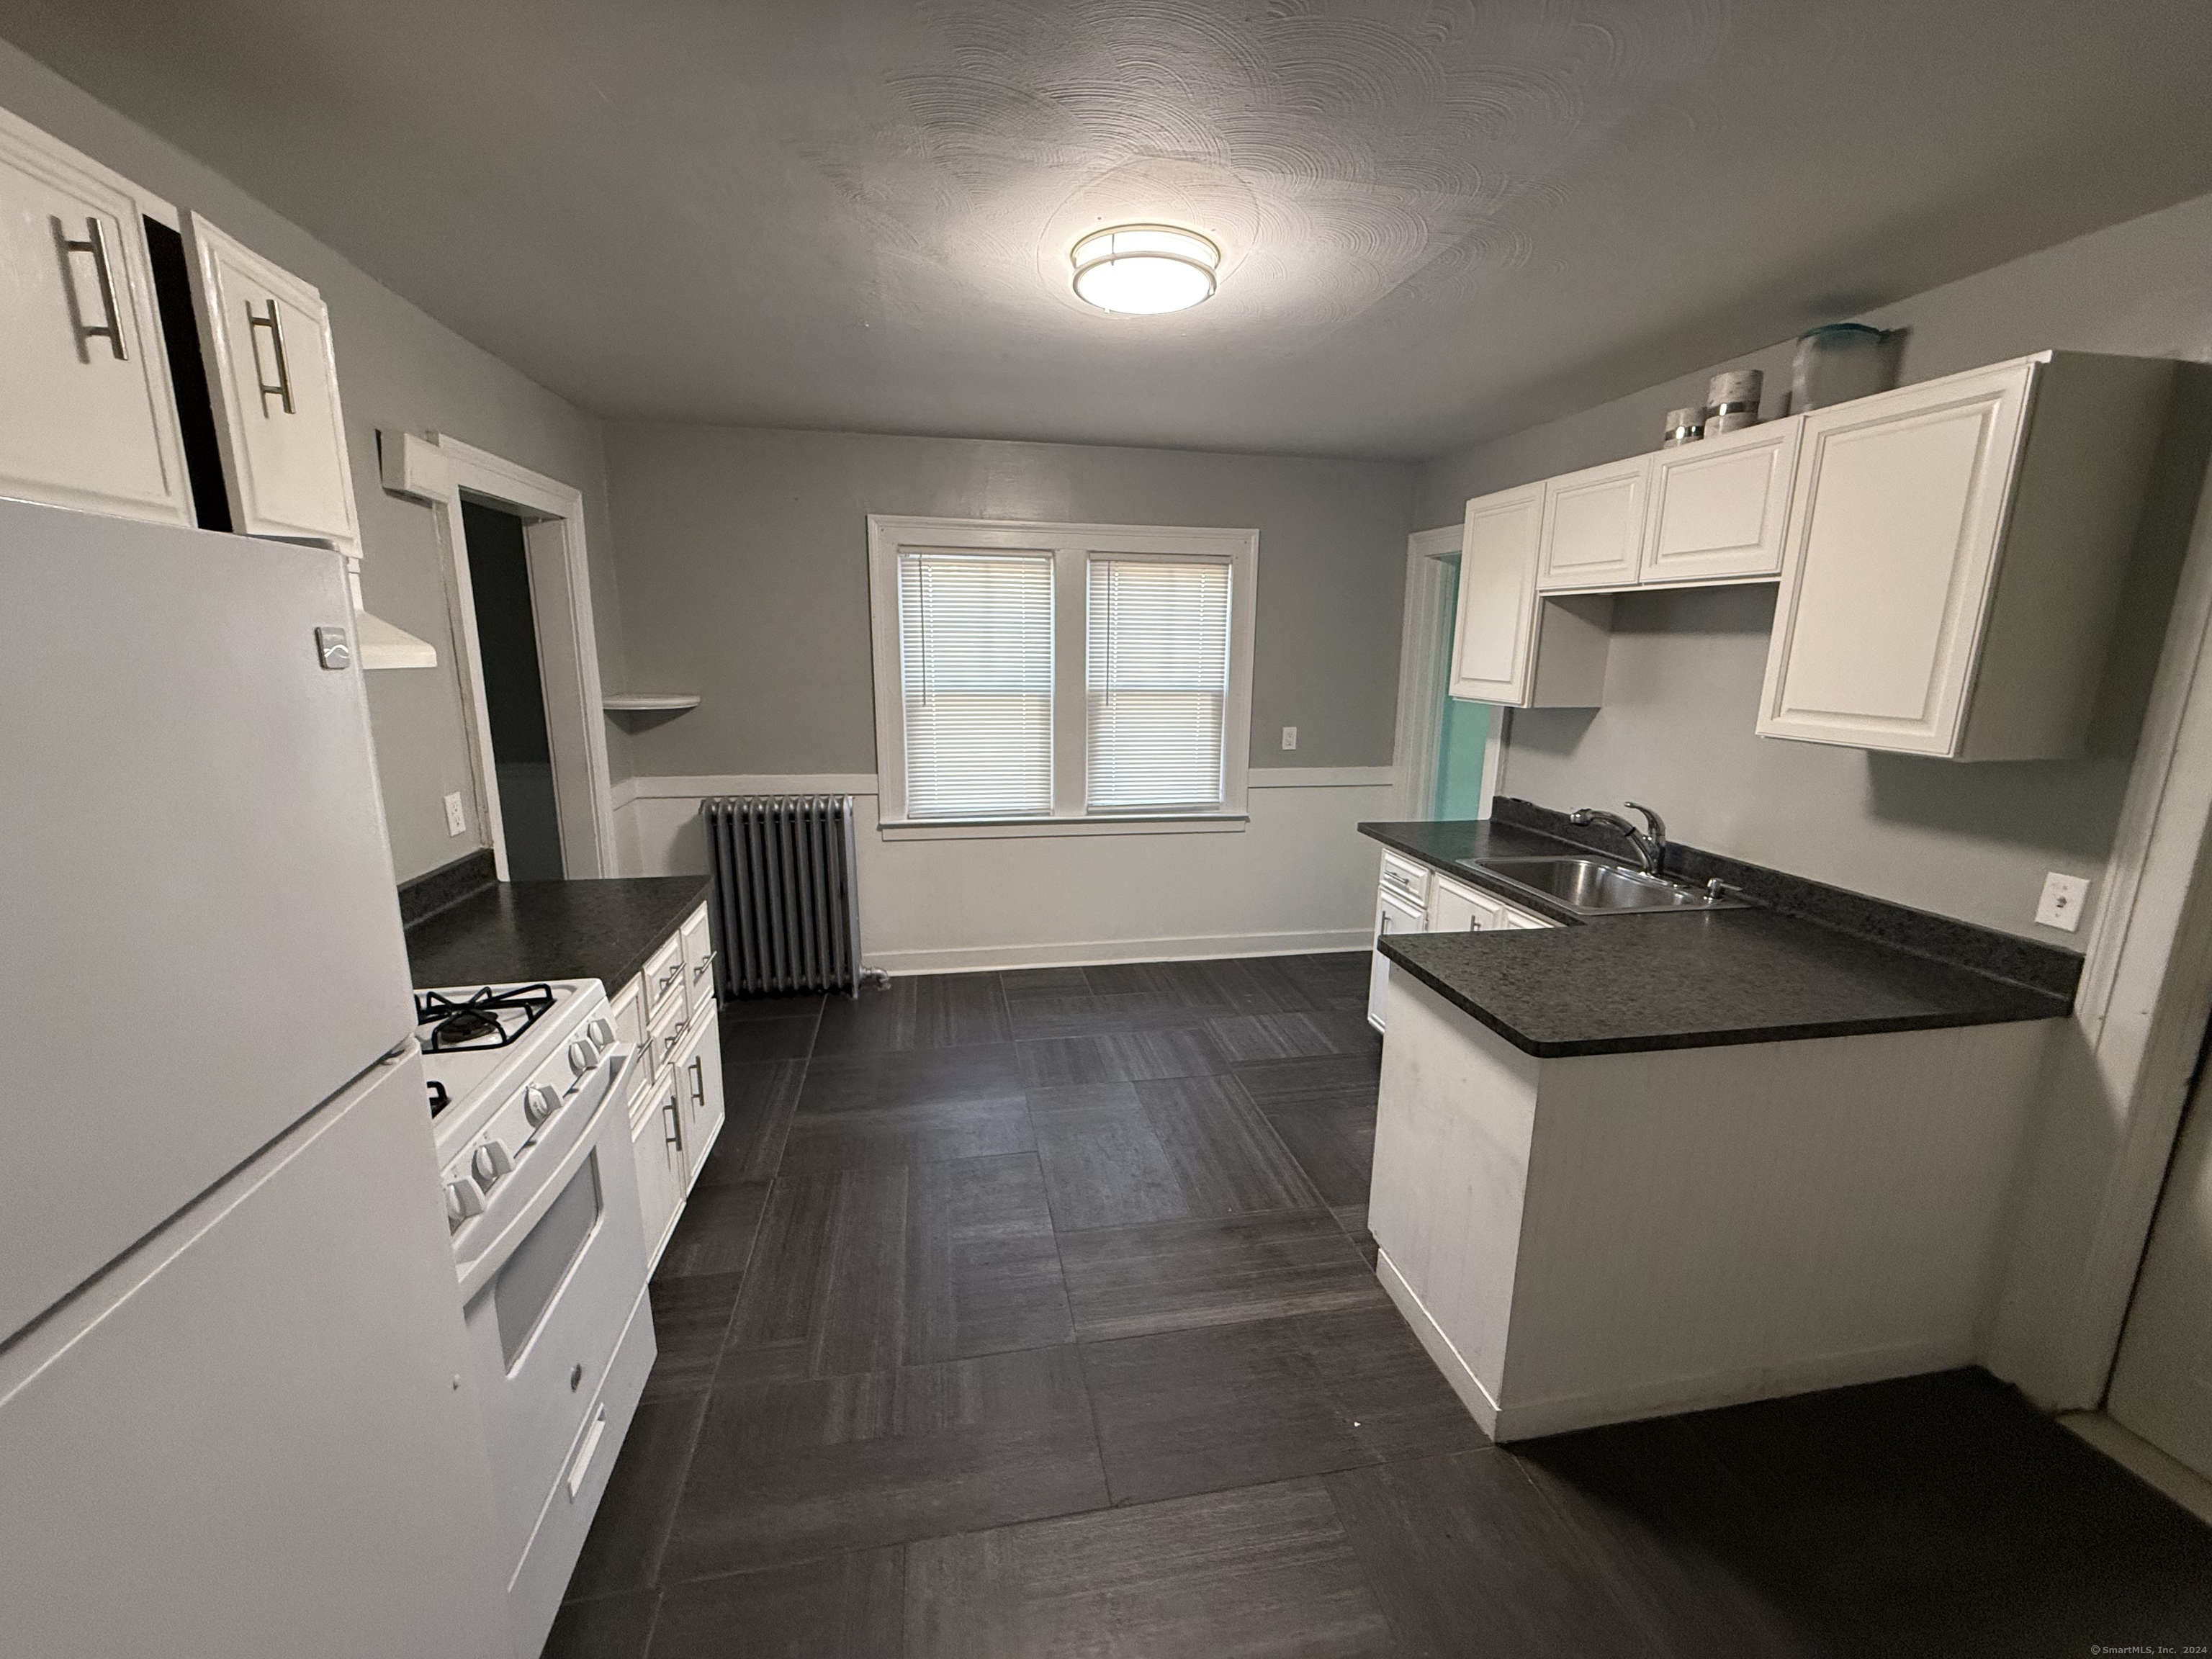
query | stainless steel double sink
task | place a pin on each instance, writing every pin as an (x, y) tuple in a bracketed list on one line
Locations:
[(1594, 887)]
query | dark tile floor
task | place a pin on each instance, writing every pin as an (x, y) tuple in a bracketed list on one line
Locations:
[(1030, 1314)]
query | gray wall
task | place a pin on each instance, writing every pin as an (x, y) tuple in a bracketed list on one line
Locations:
[(397, 369), (744, 568), (1682, 684)]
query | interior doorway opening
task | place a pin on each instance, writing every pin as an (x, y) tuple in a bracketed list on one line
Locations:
[(514, 690), (1449, 751)]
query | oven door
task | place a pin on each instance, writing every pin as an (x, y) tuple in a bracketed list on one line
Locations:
[(556, 1291)]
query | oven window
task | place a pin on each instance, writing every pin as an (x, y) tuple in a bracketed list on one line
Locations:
[(525, 1286)]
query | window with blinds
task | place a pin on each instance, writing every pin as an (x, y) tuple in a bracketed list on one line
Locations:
[(975, 670), (1157, 683)]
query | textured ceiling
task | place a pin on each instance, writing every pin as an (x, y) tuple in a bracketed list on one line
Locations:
[(1441, 220)]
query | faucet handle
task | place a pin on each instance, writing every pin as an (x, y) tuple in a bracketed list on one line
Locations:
[(1654, 824)]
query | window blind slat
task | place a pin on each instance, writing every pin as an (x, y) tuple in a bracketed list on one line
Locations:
[(976, 666), (1157, 683)]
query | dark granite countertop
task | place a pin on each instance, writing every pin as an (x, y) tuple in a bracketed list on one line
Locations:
[(534, 930), (1634, 983)]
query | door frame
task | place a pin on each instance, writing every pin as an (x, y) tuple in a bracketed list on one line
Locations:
[(440, 471), (1424, 653), (2117, 1078)]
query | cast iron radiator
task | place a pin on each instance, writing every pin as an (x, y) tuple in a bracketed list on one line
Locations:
[(786, 909)]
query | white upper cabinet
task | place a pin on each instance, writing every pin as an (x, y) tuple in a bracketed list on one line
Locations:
[(1719, 505), (266, 336), (89, 420), (1954, 558), (1509, 645), (1592, 527)]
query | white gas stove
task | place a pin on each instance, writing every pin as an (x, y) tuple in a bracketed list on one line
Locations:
[(526, 1103)]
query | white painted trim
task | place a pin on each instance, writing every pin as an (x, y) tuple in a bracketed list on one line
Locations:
[(1211, 823), (2144, 1461), (1320, 777), (2140, 1014), (1072, 545), (1424, 649), (1084, 952), (437, 470), (700, 785)]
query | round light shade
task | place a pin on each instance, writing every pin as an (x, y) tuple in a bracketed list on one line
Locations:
[(1143, 270)]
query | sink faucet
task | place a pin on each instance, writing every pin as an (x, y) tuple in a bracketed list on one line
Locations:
[(1649, 843)]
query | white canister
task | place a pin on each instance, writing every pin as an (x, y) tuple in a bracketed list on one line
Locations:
[(1684, 426), (1732, 400)]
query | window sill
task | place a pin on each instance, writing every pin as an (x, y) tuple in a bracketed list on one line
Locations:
[(1190, 823)]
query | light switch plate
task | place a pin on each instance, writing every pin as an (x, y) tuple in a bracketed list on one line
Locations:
[(457, 822), (2062, 899), (1289, 737)]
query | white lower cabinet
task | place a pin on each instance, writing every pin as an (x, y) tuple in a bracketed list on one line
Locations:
[(1413, 900), (699, 1091), (1393, 915), (656, 1134)]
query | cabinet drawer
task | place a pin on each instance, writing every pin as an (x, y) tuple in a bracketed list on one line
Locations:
[(698, 960), (666, 1034), (1406, 881), (663, 976), (1510, 917), (626, 1013)]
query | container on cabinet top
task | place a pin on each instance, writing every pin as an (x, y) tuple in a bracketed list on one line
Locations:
[(1839, 361), (1732, 399), (1684, 426)]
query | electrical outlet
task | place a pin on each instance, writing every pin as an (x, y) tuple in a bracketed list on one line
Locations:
[(457, 821), (2062, 899), (1289, 737)]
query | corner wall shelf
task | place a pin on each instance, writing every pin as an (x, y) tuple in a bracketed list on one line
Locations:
[(635, 702)]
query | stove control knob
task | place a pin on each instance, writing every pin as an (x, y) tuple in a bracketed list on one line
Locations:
[(582, 1055), (539, 1103), (461, 1203), (490, 1165), (602, 1034)]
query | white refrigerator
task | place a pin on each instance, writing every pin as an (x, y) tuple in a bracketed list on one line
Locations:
[(236, 1415)]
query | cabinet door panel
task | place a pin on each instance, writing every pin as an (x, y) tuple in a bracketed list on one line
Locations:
[(1391, 916), (1892, 537), (656, 1147), (267, 338), (699, 1082), (1456, 910), (1493, 635), (1592, 527), (89, 420), (1719, 506)]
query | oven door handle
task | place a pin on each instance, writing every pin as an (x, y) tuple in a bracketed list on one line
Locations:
[(478, 1271)]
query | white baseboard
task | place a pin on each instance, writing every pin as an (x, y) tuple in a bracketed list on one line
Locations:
[(1457, 1372), (1088, 952), (1529, 1419), (2144, 1461)]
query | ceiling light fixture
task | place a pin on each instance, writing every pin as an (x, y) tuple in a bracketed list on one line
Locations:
[(1140, 271)]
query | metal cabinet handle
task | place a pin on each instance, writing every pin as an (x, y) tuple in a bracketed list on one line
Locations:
[(283, 389), (95, 244), (674, 1136), (698, 1069)]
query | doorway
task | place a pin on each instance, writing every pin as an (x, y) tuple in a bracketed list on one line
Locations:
[(1448, 751), (514, 691)]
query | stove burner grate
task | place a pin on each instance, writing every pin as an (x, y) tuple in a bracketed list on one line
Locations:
[(439, 1099), (474, 1022)]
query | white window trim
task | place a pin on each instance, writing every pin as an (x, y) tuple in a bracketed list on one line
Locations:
[(1072, 545)]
